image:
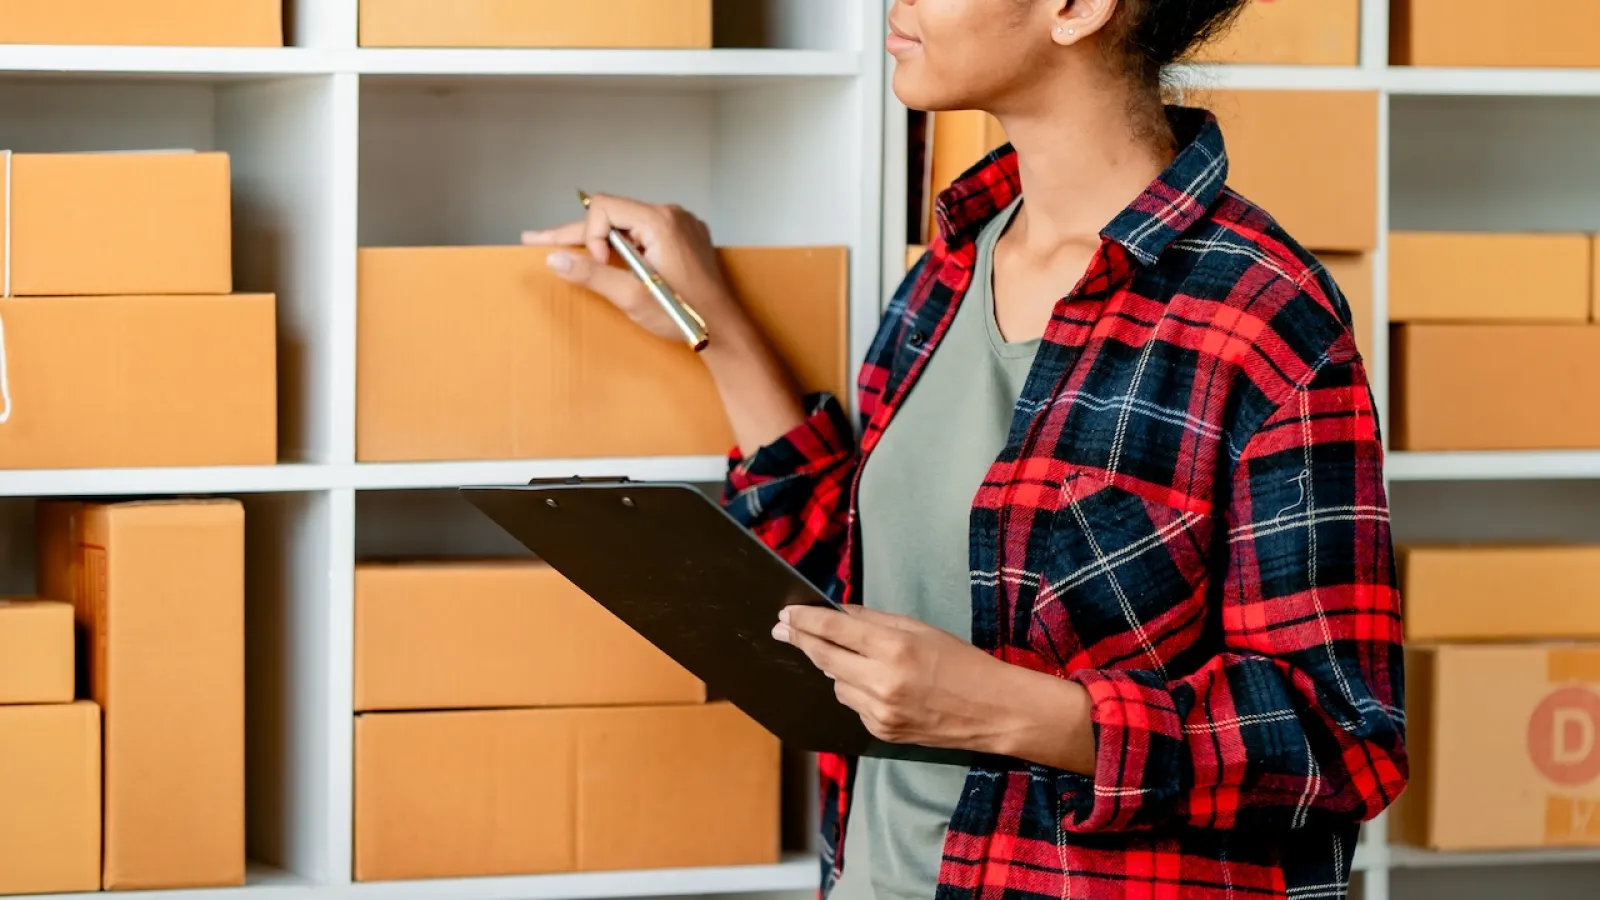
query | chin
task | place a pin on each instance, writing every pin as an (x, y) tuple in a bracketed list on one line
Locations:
[(915, 92)]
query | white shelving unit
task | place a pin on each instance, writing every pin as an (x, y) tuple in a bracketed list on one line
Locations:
[(1459, 149), (336, 147)]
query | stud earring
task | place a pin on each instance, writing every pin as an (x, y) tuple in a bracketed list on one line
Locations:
[(1072, 32)]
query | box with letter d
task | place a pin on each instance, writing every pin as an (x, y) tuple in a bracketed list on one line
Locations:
[(1505, 746)]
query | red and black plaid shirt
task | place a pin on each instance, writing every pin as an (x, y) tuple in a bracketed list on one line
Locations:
[(1188, 519)]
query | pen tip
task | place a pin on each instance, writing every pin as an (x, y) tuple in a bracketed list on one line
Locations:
[(583, 197)]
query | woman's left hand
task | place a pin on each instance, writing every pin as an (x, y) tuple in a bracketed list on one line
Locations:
[(915, 684)]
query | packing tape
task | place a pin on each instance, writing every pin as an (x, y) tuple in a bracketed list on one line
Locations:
[(5, 380)]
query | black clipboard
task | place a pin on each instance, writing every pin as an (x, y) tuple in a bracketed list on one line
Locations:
[(676, 568)]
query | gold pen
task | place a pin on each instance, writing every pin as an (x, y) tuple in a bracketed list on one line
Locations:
[(682, 314)]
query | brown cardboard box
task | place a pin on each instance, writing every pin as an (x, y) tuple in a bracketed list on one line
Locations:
[(913, 253), (1460, 277), (159, 590), (120, 223), (957, 140), (50, 779), (170, 23), (677, 24), (1503, 745), (444, 794), (1534, 395), (36, 652), (1500, 592), (1556, 33), (1352, 272), (1275, 137), (140, 381), (482, 353), (487, 635), (1298, 32)]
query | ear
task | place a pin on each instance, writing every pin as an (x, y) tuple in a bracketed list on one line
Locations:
[(1073, 20)]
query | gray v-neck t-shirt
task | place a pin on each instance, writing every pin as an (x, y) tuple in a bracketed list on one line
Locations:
[(916, 498)]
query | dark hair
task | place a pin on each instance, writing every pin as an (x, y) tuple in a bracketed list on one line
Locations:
[(1155, 34)]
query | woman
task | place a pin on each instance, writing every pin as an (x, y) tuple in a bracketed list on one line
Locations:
[(1116, 520)]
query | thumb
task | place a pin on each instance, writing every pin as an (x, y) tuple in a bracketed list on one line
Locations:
[(608, 281)]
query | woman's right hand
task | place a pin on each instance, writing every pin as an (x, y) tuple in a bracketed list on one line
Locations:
[(674, 242)]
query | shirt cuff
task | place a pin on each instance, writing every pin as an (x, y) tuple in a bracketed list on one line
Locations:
[(1138, 748), (820, 442)]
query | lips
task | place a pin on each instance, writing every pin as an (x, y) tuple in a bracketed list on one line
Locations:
[(899, 42)]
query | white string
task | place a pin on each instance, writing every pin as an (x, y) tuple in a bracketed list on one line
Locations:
[(5, 381)]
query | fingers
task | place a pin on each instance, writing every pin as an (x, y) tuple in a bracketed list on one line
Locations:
[(569, 235), (616, 285), (836, 662), (847, 631), (640, 221)]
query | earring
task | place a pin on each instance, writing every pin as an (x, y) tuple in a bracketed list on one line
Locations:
[(1072, 32), (1060, 30)]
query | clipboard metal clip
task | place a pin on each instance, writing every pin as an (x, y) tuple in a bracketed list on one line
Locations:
[(579, 481)]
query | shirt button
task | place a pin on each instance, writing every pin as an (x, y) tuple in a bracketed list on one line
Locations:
[(918, 338)]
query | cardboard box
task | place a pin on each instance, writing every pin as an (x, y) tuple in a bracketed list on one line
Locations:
[(36, 652), (482, 353), (158, 588), (1503, 745), (140, 381), (1275, 138), (1500, 593), (1551, 33), (120, 223), (1460, 277), (151, 23), (489, 635), (50, 779), (957, 140), (1298, 32), (1353, 273), (676, 24), (1534, 396), (454, 794)]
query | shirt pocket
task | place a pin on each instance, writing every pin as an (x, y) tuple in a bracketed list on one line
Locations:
[(1126, 575)]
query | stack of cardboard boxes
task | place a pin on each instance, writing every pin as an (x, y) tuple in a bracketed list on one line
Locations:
[(1503, 697), (507, 724), (49, 756), (144, 23), (483, 353), (156, 590), (122, 343), (1497, 344)]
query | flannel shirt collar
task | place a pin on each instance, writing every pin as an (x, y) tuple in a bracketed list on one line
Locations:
[(1178, 198)]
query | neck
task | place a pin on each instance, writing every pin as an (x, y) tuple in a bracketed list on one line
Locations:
[(1082, 159)]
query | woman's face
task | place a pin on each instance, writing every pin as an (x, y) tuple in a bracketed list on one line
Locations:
[(963, 54)]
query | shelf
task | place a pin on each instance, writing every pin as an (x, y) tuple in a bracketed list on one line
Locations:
[(1401, 857), (221, 62), (1308, 78), (1493, 82), (297, 477), (417, 476), (270, 884), (624, 65), (796, 875), (231, 63), (1550, 465)]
